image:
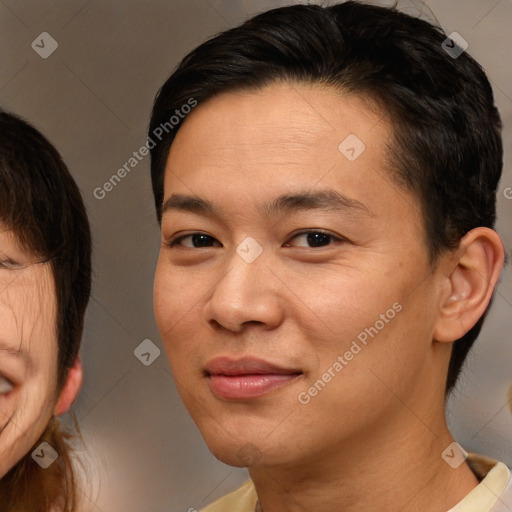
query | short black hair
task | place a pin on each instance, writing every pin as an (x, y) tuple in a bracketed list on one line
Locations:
[(446, 147)]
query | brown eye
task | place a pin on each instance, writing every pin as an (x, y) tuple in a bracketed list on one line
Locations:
[(314, 239), (196, 240)]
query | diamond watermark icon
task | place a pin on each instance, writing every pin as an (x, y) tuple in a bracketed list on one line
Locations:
[(45, 455), (147, 352), (454, 455), (44, 45), (454, 45), (249, 249), (351, 147)]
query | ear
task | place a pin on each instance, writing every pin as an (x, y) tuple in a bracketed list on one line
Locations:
[(470, 285), (70, 389)]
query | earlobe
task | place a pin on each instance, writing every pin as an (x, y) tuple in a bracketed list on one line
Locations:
[(71, 387), (471, 283)]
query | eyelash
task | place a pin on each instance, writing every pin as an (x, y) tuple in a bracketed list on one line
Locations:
[(175, 241)]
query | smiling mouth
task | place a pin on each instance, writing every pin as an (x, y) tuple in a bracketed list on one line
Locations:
[(247, 378)]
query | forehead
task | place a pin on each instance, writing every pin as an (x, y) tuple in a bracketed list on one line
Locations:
[(280, 121), (258, 145)]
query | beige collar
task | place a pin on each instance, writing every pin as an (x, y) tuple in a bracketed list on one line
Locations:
[(494, 478)]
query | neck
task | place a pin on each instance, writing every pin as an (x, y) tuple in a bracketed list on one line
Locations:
[(395, 467)]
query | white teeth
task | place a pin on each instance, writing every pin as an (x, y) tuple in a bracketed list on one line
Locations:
[(5, 386)]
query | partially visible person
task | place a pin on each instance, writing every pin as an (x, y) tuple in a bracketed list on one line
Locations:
[(45, 284)]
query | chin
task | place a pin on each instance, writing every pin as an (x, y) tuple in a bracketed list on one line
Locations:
[(250, 450), (240, 456), (239, 452), (241, 439)]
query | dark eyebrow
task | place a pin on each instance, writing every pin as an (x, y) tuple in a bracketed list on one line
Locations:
[(326, 199)]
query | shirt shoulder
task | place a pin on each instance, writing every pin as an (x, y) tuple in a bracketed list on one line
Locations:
[(494, 491), (492, 494), (242, 500)]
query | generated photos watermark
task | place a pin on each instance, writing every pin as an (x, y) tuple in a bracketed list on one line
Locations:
[(44, 45), (454, 455), (357, 345), (45, 455), (137, 156)]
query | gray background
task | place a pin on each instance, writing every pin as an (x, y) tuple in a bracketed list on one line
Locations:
[(92, 98)]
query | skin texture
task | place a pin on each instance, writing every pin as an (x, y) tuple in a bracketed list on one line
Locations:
[(28, 352), (376, 429)]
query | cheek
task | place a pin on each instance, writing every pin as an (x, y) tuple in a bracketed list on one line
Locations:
[(375, 321), (28, 416), (175, 298), (334, 305), (28, 315), (167, 296)]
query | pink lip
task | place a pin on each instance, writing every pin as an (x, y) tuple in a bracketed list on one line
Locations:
[(246, 378)]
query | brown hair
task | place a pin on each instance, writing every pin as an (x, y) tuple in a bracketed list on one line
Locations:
[(41, 204)]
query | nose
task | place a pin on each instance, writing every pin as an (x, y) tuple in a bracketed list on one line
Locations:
[(247, 294)]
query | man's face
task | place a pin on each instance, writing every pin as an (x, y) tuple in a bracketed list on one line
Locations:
[(28, 350), (293, 324)]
